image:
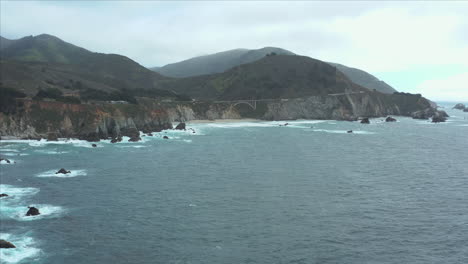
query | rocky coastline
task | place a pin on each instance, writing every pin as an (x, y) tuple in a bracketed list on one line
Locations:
[(30, 119)]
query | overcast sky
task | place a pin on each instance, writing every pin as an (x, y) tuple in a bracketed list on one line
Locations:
[(419, 47)]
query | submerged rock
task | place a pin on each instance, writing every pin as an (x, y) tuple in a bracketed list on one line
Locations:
[(3, 195), (63, 171), (349, 131), (32, 211), (180, 126), (93, 145), (390, 119), (365, 121), (166, 137), (150, 134), (6, 244), (459, 106)]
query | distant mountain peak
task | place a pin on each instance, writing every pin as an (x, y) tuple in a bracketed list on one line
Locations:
[(217, 62)]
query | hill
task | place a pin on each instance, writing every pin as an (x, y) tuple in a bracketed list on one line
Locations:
[(4, 42), (45, 62), (272, 77), (364, 79), (216, 63), (222, 61)]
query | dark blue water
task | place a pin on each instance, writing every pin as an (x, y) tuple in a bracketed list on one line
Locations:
[(245, 193)]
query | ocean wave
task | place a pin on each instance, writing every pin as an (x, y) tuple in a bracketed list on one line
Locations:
[(4, 162), (50, 152), (343, 131), (52, 173), (14, 154), (19, 212), (25, 248), (9, 150), (15, 193)]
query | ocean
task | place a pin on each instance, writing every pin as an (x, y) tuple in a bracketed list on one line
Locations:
[(244, 192)]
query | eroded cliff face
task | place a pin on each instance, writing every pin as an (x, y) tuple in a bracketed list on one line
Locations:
[(339, 107), (37, 119)]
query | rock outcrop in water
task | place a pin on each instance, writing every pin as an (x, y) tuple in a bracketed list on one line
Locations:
[(3, 195), (32, 211), (6, 160), (439, 117), (62, 171), (428, 113), (6, 244), (459, 106), (365, 121), (390, 119)]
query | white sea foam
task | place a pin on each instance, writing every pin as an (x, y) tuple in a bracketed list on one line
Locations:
[(17, 212), (52, 173), (136, 146), (51, 152), (343, 131), (14, 154), (16, 192), (25, 248), (9, 150), (4, 162)]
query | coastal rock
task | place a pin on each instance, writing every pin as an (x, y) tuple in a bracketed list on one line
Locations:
[(365, 121), (465, 110), (63, 171), (6, 160), (52, 137), (133, 134), (439, 116), (3, 195), (390, 119), (93, 145), (424, 114), (150, 134), (459, 106), (116, 139), (6, 244), (349, 131), (180, 126), (32, 211), (90, 137), (166, 137)]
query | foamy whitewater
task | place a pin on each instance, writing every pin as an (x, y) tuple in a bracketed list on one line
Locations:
[(303, 191)]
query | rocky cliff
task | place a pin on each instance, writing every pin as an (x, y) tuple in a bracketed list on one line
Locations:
[(39, 119)]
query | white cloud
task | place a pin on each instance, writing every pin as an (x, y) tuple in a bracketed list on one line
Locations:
[(453, 88)]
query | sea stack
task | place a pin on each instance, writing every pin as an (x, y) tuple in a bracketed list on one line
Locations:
[(32, 211), (62, 171)]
